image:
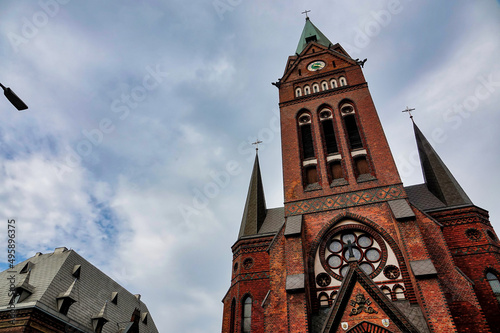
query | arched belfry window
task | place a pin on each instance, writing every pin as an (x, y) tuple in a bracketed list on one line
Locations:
[(326, 118), (494, 284), (310, 173), (246, 315), (353, 136)]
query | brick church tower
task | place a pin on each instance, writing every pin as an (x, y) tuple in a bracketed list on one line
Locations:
[(353, 250)]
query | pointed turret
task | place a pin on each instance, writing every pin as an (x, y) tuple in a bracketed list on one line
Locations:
[(438, 178), (311, 34), (255, 206)]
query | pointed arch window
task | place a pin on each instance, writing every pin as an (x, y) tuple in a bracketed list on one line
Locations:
[(342, 81), (324, 85), (310, 173), (307, 90), (494, 284), (246, 315), (323, 300), (298, 92), (399, 292)]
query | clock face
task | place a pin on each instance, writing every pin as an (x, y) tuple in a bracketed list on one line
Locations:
[(316, 65)]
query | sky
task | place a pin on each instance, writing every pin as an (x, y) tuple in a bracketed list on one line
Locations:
[(136, 147)]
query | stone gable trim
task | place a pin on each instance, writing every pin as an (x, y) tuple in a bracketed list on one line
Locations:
[(344, 200)]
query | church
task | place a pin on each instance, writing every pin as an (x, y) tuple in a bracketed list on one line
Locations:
[(353, 249)]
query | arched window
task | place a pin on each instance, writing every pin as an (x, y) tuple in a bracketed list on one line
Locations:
[(494, 284), (232, 318), (306, 136), (324, 85), (352, 130), (246, 315), (298, 92), (386, 291), (342, 81), (333, 83), (323, 300), (399, 292), (307, 90), (326, 118), (315, 88)]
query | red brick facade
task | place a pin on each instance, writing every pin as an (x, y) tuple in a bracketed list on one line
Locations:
[(438, 258)]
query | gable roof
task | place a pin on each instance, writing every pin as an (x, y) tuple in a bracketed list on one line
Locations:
[(355, 276)]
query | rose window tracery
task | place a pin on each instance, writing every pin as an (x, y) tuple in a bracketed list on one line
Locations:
[(369, 250)]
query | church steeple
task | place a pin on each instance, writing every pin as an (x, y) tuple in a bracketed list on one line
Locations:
[(437, 176), (255, 206), (311, 34)]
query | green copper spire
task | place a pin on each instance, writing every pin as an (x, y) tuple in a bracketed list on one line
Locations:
[(311, 34)]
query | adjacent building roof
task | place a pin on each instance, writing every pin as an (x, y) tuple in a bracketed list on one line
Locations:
[(53, 277), (309, 34)]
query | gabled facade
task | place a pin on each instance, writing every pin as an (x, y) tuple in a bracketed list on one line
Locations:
[(63, 292), (353, 250)]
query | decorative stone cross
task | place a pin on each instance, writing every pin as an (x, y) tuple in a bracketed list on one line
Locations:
[(305, 12), (409, 112), (256, 143)]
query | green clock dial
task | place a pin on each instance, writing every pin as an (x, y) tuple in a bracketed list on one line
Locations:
[(316, 65)]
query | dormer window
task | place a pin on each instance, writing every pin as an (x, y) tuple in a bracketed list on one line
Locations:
[(311, 39)]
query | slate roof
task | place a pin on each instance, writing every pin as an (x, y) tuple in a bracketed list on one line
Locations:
[(51, 277), (437, 176), (255, 210)]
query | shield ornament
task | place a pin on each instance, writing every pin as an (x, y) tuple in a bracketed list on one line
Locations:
[(385, 322), (344, 326)]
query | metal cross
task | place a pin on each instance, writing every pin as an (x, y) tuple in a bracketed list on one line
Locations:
[(256, 143), (305, 12), (409, 112), (349, 246)]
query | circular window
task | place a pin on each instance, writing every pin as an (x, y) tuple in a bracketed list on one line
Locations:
[(325, 114), (247, 263), (334, 261), (335, 246), (391, 272), (368, 249), (347, 109), (304, 119), (323, 279), (473, 234)]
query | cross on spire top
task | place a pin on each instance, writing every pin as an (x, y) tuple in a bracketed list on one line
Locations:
[(256, 143), (409, 112), (305, 12)]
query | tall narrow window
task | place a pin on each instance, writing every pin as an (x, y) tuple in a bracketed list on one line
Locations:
[(342, 81), (326, 119), (333, 83), (315, 88), (306, 136), (246, 324), (232, 316), (494, 284), (351, 127), (307, 90)]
